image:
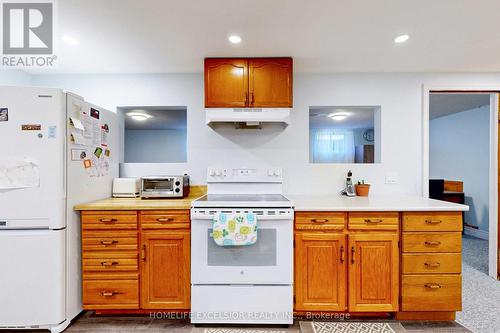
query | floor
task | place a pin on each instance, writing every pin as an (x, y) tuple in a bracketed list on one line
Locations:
[(481, 293)]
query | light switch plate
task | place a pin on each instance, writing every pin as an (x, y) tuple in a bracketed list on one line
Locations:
[(391, 178)]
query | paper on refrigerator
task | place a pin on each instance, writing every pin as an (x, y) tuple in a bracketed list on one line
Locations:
[(18, 174)]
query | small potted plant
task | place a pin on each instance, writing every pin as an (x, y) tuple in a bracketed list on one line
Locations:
[(362, 189)]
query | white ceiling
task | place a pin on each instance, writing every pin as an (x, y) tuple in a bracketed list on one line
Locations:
[(441, 104), (357, 117), (167, 36)]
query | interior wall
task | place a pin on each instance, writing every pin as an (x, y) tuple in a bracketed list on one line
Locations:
[(400, 97), (459, 150), (13, 77), (155, 146)]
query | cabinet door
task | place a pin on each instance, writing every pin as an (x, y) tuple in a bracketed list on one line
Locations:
[(165, 270), (270, 82), (226, 83), (320, 271), (373, 272)]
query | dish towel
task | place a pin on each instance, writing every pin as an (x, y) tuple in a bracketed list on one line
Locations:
[(234, 229)]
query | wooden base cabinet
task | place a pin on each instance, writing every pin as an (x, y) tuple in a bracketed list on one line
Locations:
[(136, 260), (320, 276), (339, 270), (165, 270), (373, 272)]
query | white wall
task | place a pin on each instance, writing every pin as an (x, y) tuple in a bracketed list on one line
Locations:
[(400, 96), (11, 77), (459, 150), (155, 146)]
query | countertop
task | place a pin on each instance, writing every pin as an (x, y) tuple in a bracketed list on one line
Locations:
[(147, 204), (301, 202), (373, 203)]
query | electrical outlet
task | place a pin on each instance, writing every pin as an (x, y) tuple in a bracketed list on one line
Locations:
[(391, 178)]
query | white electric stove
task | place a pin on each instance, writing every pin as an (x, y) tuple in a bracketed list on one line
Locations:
[(243, 284)]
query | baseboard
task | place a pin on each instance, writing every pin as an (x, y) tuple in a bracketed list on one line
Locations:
[(476, 233)]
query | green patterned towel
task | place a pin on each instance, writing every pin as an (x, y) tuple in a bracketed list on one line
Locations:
[(234, 229)]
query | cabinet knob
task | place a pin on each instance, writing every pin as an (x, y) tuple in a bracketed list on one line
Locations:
[(432, 264), (374, 220), (353, 253), (342, 254), (109, 263), (432, 286)]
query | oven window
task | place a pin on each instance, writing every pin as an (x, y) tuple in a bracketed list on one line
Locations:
[(262, 253), (154, 185)]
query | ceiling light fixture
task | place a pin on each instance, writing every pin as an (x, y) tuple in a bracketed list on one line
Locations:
[(70, 40), (139, 116), (401, 39), (235, 39), (338, 116)]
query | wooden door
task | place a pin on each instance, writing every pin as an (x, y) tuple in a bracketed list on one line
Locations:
[(320, 271), (373, 272), (270, 82), (226, 83), (165, 270)]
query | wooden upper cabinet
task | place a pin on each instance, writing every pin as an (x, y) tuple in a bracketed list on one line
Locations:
[(165, 270), (226, 83), (254, 82), (373, 272), (270, 82), (320, 274)]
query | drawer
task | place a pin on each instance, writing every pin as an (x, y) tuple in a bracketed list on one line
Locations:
[(373, 221), (110, 294), (320, 220), (431, 292), (432, 221), (432, 242), (109, 220), (104, 240), (125, 275), (174, 219), (432, 263), (107, 261)]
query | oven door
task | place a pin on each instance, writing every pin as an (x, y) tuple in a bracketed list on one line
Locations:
[(268, 261)]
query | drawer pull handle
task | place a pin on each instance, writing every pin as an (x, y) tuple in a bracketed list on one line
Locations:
[(432, 243), (165, 219), (433, 286), (109, 293), (108, 220), (319, 220), (353, 253), (432, 264), (374, 220), (111, 242), (433, 221), (107, 263), (342, 254), (143, 253)]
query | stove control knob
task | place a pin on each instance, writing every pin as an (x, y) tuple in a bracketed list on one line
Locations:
[(277, 172), (270, 172), (212, 172), (217, 173)]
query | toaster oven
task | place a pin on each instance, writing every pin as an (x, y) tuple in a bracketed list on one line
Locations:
[(164, 186)]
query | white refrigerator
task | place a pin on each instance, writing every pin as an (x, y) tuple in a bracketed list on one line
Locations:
[(56, 150)]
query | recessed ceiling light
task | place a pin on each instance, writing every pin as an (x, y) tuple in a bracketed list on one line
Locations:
[(338, 116), (235, 39), (70, 40), (139, 116), (401, 39)]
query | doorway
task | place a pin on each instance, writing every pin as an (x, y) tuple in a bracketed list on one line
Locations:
[(468, 99)]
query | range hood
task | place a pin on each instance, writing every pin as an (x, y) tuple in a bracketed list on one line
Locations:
[(248, 117)]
